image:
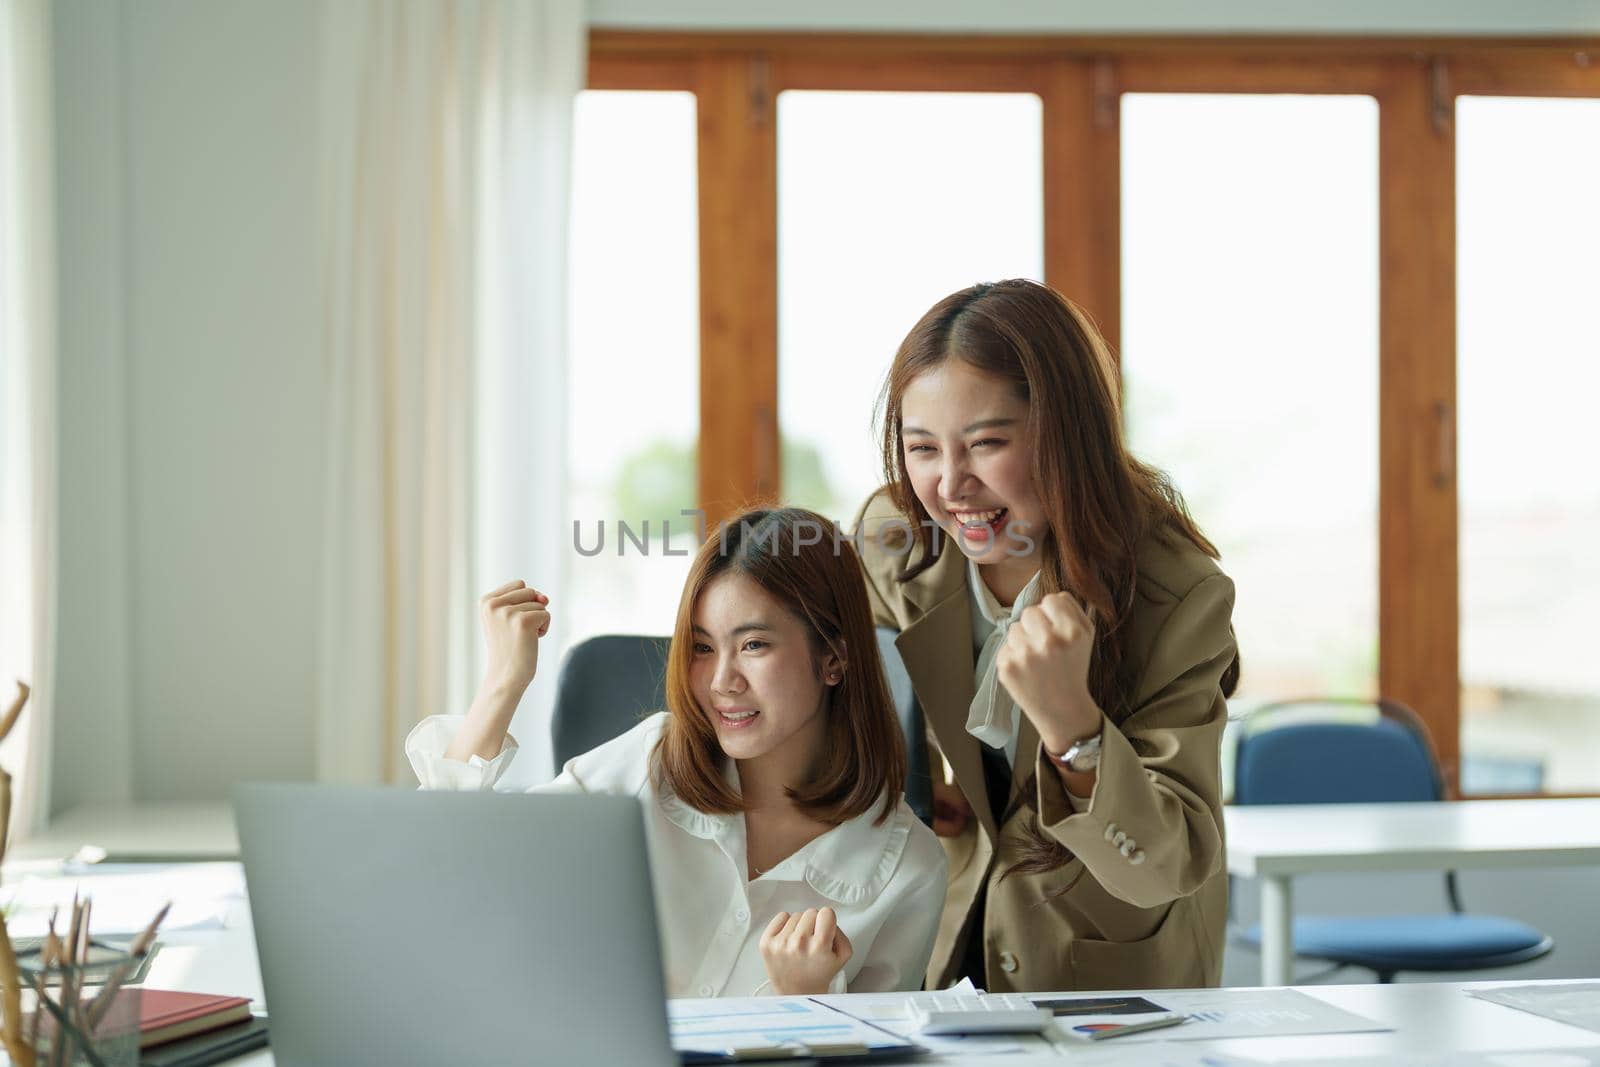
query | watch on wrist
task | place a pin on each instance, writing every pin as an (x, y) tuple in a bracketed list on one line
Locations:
[(1081, 756)]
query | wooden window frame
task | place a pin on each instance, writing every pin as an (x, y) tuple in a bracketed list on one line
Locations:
[(1079, 80)]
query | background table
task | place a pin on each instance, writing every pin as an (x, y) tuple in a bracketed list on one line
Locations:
[(1275, 842)]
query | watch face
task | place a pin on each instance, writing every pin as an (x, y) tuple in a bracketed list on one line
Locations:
[(1083, 755)]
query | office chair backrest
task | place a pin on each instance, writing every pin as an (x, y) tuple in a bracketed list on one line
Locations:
[(607, 684), (1328, 752)]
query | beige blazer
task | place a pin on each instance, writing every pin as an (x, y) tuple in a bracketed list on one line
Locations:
[(1149, 916)]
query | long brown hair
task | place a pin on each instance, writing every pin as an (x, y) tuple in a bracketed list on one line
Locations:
[(1099, 500), (804, 562)]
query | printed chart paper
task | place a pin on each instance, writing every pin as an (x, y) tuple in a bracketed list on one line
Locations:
[(741, 1023)]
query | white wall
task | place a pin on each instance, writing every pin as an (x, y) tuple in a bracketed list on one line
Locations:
[(190, 393), (1555, 17), (91, 734)]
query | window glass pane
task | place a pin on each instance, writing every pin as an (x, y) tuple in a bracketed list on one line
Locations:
[(887, 202), (634, 376), (1250, 331), (1528, 352)]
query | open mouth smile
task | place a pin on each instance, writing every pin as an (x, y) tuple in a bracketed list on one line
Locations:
[(981, 526), (736, 718)]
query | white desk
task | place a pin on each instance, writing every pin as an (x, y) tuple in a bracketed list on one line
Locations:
[(1424, 1017), (1274, 843), (1434, 1017)]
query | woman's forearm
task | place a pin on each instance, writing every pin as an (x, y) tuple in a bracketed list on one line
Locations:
[(484, 732)]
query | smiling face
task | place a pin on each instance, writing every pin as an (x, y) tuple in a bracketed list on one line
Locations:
[(757, 676), (969, 463)]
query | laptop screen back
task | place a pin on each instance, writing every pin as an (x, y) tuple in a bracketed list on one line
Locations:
[(399, 926)]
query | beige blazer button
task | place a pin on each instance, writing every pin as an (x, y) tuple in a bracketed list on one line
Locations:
[(1111, 830), (1137, 858), (1119, 839), (1008, 963)]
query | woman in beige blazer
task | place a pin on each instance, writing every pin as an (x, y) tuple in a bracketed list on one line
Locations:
[(1071, 650)]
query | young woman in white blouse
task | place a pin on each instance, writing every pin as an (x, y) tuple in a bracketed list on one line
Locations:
[(784, 856)]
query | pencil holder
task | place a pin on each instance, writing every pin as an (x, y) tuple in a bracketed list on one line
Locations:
[(84, 1015)]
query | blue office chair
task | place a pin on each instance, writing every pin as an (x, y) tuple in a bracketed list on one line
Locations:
[(1352, 751), (608, 684)]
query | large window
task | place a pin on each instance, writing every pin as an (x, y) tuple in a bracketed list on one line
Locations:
[(1250, 361), (1528, 222), (875, 224), (633, 386), (1269, 234)]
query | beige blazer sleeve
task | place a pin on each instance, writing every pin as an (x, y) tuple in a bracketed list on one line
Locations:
[(1159, 782), (882, 613)]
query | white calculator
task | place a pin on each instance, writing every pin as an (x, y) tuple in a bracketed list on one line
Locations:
[(995, 1013)]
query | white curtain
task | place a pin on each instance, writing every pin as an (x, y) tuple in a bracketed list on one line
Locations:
[(27, 401), (447, 140)]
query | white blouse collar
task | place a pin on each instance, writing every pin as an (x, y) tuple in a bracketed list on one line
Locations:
[(850, 863)]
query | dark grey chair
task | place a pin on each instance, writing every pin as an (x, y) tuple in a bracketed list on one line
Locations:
[(608, 684), (606, 687)]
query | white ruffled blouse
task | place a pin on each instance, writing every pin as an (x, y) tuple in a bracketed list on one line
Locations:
[(886, 882)]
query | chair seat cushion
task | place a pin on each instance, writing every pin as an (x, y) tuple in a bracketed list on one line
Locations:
[(1415, 942)]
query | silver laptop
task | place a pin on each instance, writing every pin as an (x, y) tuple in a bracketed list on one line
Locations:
[(403, 927)]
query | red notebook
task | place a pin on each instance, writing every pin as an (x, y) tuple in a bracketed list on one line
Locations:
[(166, 1016)]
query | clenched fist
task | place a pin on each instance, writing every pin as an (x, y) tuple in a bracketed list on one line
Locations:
[(1044, 665), (514, 617), (803, 952)]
